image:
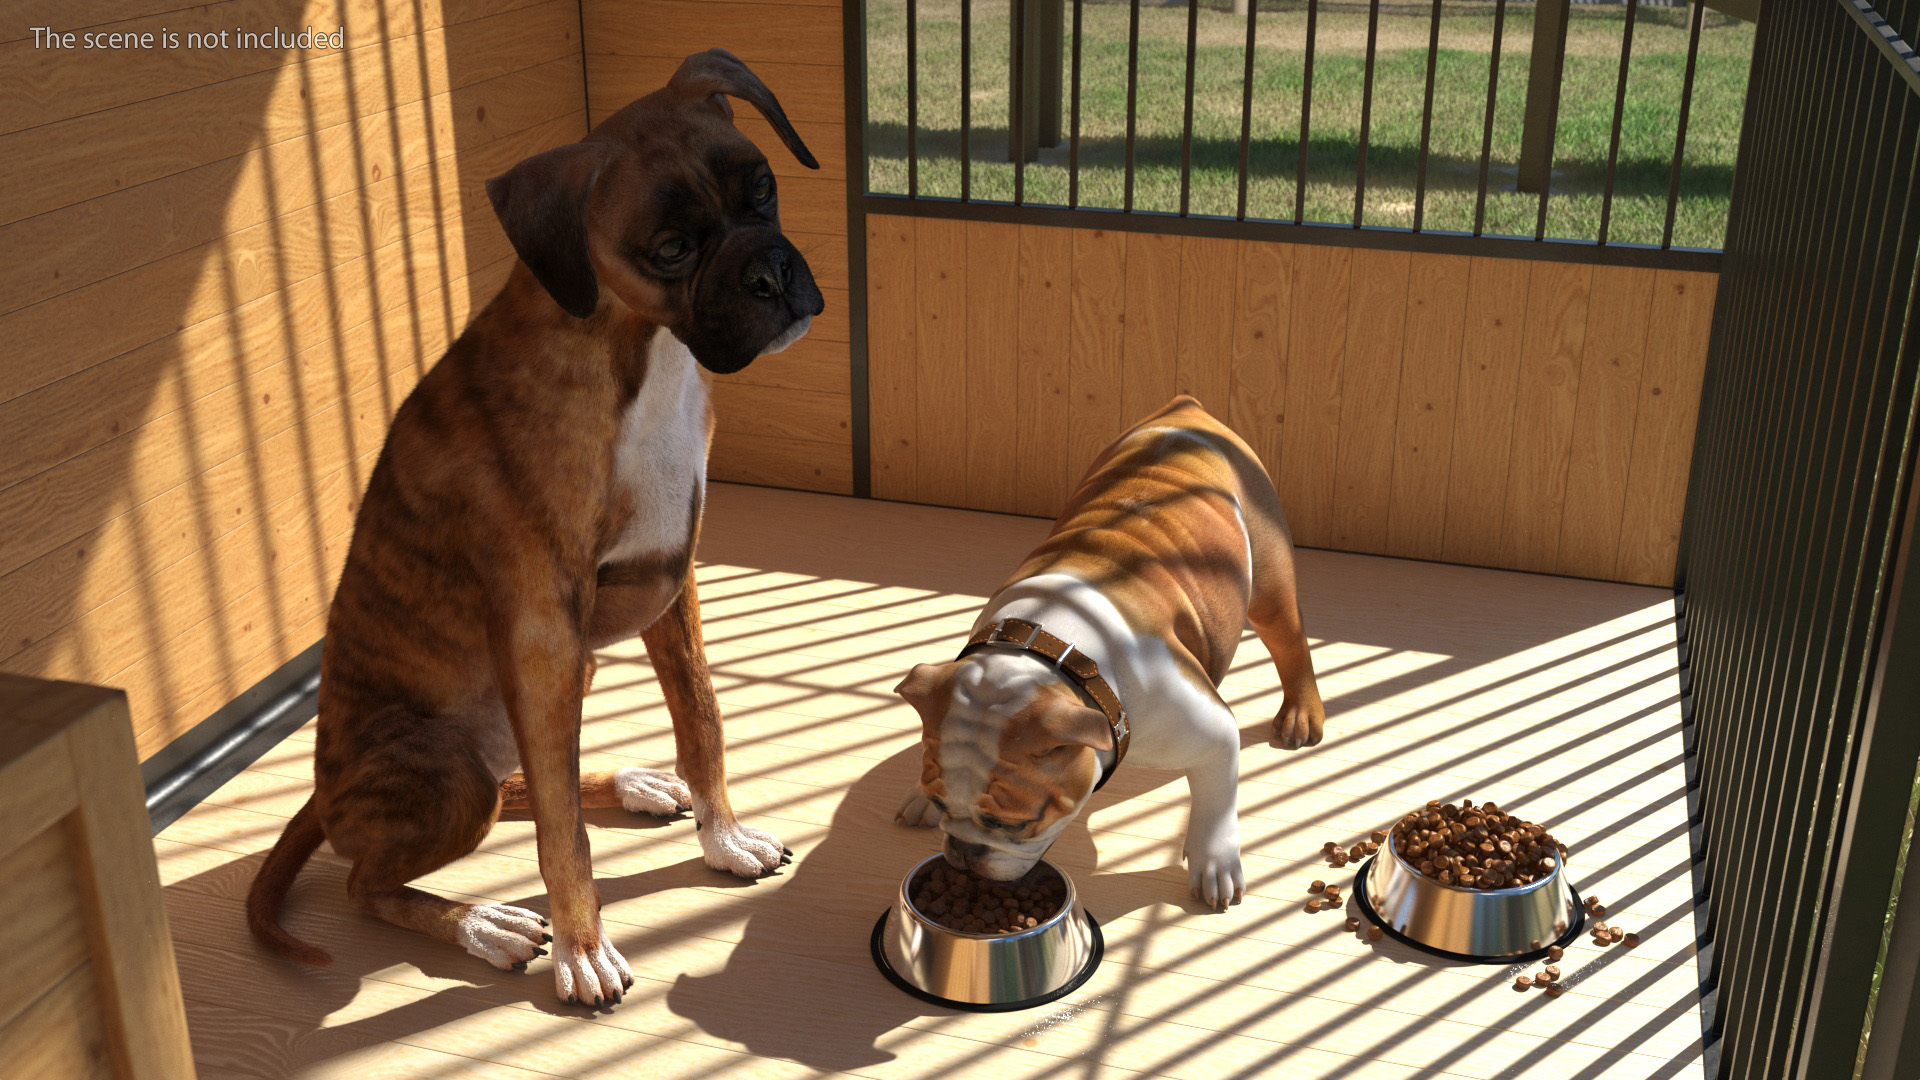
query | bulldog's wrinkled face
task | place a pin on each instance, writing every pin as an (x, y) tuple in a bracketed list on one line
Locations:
[(1010, 755), (668, 208)]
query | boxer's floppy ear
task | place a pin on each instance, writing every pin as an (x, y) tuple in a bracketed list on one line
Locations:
[(718, 71), (1072, 724), (542, 205)]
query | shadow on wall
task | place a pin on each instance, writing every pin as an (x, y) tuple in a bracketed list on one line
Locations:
[(228, 266)]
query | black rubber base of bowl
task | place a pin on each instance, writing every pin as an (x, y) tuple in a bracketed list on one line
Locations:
[(1366, 908), (880, 961)]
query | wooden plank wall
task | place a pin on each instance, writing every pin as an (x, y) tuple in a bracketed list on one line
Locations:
[(225, 268), (1505, 413), (787, 420)]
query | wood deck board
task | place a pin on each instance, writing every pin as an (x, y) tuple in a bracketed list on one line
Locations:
[(1555, 697)]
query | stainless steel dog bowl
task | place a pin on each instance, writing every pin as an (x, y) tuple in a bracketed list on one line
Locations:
[(986, 972), (1489, 926)]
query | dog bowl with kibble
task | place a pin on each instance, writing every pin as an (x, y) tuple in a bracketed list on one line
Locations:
[(1488, 926), (985, 970)]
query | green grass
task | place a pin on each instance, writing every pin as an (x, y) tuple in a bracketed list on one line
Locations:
[(1460, 92)]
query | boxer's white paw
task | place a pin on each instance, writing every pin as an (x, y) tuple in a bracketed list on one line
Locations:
[(917, 812), (589, 974), (506, 937), (652, 791), (737, 849), (1213, 872)]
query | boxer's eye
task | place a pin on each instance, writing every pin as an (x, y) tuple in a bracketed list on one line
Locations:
[(671, 250), (763, 189)]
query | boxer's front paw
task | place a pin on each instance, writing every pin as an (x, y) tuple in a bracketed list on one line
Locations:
[(506, 937), (1300, 722), (652, 791), (1213, 872), (739, 850), (589, 972), (917, 811)]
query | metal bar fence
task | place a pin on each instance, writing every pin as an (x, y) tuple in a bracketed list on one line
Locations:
[(1800, 640), (1035, 38)]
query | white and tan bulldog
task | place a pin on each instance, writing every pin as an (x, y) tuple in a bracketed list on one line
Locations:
[(1110, 641)]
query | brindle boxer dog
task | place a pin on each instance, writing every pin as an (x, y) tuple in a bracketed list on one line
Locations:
[(539, 497)]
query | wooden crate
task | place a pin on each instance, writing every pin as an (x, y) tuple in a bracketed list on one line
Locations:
[(96, 993)]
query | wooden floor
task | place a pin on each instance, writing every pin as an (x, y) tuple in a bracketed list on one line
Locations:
[(1557, 698)]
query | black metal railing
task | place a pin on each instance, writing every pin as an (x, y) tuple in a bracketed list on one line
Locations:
[(1800, 613), (1377, 123)]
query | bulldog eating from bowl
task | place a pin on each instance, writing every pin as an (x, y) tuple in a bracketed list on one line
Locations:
[(1109, 643)]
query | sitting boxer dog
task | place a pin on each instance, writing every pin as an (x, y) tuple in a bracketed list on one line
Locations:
[(539, 497), (1109, 643)]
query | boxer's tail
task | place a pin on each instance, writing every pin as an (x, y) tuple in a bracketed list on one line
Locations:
[(270, 885)]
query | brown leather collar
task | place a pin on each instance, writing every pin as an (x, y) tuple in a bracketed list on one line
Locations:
[(1071, 662)]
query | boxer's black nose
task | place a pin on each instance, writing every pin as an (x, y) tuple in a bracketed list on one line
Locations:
[(769, 274)]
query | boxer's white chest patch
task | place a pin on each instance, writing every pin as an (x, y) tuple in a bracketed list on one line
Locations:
[(661, 458)]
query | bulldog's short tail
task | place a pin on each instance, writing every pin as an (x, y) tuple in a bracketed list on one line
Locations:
[(270, 885)]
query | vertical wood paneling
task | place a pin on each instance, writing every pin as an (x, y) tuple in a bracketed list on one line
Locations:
[(940, 359), (1497, 412), (1423, 428), (1603, 420), (1369, 400), (1046, 317), (1096, 355), (1204, 352), (992, 359), (1263, 288), (1152, 321), (1316, 353), (227, 269), (1670, 375), (1546, 395), (892, 330), (1496, 324)]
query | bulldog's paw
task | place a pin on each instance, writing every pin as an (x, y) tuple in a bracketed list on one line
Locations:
[(1213, 873), (1299, 723), (742, 851), (589, 974), (652, 791), (917, 812), (506, 937)]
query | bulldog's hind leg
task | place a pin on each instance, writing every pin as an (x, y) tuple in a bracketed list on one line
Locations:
[(418, 801), (1274, 611)]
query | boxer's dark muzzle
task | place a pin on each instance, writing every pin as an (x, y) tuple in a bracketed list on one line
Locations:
[(758, 290)]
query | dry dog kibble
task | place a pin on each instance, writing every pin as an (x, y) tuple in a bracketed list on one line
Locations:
[(1523, 983), (1630, 940), (1379, 836), (1474, 847), (1313, 905), (1374, 933), (960, 901), (1550, 973), (1555, 989), (1317, 886), (1555, 952), (1352, 925), (1615, 935)]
